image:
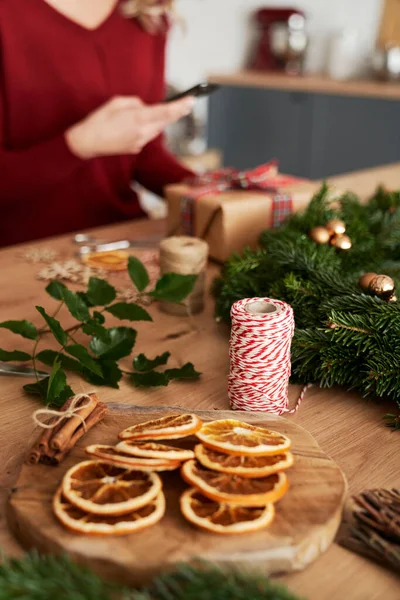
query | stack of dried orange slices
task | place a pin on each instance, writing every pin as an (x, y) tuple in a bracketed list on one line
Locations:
[(119, 492), (237, 477), (237, 474)]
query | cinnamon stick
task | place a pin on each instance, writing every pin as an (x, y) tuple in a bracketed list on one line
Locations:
[(49, 458), (34, 454), (41, 446), (47, 434), (95, 417), (62, 438)]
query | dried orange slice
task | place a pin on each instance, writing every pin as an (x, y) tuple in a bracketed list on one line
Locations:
[(112, 260), (246, 466), (102, 488), (242, 439), (232, 489), (222, 518), (83, 522), (154, 450), (167, 428), (118, 457)]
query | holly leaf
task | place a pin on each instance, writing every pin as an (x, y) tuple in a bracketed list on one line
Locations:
[(100, 292), (85, 298), (76, 306), (142, 363), (14, 355), (157, 379), (149, 379), (54, 325), (138, 273), (48, 357), (41, 388), (97, 316), (93, 328), (57, 382), (173, 287), (80, 353), (56, 290), (112, 374), (24, 328), (129, 311), (186, 372), (120, 343)]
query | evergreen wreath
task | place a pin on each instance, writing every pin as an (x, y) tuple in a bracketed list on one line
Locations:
[(344, 336)]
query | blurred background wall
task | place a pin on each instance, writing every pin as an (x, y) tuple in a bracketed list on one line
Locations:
[(219, 33)]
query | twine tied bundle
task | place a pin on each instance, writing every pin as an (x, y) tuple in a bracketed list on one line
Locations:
[(73, 410), (64, 428), (186, 256)]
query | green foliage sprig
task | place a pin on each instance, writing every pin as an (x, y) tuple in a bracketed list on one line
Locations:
[(47, 577), (343, 336), (98, 363)]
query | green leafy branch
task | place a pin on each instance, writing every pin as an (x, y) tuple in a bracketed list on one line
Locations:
[(37, 577), (98, 363)]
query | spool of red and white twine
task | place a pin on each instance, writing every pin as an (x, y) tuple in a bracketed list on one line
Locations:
[(261, 336)]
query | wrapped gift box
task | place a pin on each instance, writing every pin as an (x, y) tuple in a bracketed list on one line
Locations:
[(229, 210)]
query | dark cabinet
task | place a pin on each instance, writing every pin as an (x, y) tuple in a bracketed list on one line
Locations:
[(313, 135)]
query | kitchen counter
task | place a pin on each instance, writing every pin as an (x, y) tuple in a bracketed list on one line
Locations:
[(310, 84)]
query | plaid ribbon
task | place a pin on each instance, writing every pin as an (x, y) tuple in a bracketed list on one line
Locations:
[(260, 179)]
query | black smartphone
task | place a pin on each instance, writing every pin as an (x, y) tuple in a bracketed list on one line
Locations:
[(198, 91)]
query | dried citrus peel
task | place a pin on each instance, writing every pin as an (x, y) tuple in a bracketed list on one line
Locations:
[(222, 518), (75, 519)]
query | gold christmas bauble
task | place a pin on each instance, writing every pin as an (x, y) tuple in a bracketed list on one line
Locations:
[(336, 227), (320, 235), (383, 286), (366, 279), (342, 242)]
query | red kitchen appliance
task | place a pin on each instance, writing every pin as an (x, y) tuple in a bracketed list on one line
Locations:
[(283, 40)]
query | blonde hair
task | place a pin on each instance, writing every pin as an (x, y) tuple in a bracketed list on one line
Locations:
[(147, 8)]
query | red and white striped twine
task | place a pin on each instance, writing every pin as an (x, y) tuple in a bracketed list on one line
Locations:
[(261, 336)]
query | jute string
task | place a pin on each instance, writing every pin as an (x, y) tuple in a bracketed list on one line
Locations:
[(72, 411), (187, 256)]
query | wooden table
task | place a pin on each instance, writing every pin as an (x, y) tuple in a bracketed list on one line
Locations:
[(346, 426)]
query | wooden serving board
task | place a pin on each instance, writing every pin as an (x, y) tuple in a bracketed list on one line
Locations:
[(306, 519)]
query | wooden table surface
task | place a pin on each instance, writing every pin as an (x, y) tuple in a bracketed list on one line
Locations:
[(346, 426)]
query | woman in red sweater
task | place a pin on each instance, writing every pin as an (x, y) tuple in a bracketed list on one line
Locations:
[(80, 116)]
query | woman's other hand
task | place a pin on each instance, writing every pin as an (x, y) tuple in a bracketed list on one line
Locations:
[(124, 125)]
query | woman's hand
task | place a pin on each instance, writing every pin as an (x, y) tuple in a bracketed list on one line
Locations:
[(124, 125)]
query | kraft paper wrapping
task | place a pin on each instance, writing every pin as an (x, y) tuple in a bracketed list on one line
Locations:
[(232, 220)]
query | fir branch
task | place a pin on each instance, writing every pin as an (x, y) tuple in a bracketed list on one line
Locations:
[(393, 420), (48, 577), (343, 335), (206, 582)]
